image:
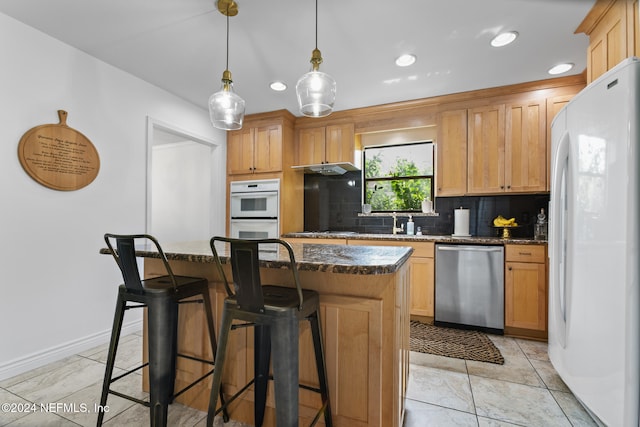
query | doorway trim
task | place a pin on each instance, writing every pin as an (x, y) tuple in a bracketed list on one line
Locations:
[(218, 192)]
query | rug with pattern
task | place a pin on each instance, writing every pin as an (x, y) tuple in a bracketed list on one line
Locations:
[(449, 342)]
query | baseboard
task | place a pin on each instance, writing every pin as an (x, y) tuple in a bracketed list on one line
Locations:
[(41, 358)]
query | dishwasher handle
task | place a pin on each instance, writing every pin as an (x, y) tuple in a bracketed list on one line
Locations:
[(470, 248)]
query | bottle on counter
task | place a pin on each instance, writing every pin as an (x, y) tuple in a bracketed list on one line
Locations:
[(410, 225), (427, 205), (540, 227), (419, 231)]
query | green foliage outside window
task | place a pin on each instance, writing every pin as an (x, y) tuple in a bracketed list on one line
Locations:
[(398, 184)]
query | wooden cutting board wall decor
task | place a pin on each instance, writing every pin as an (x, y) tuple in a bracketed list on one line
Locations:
[(59, 157)]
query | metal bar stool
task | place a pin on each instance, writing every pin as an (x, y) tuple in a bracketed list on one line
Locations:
[(161, 295), (274, 312)]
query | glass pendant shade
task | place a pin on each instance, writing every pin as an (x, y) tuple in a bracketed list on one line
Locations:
[(226, 108), (316, 94)]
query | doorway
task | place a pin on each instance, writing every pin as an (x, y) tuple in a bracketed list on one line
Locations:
[(185, 184)]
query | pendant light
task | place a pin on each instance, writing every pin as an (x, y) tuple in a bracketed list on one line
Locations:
[(316, 90), (226, 108)]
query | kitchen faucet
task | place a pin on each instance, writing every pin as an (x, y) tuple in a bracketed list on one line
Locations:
[(397, 229)]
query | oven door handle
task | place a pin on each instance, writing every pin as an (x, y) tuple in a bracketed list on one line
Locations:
[(254, 218)]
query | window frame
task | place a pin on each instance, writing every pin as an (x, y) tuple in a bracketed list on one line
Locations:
[(365, 180)]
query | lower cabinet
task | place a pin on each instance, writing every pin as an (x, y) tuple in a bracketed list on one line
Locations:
[(525, 291), (421, 273), (525, 282)]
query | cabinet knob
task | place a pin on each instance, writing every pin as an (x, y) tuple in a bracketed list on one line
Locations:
[(502, 187), (508, 186), (510, 268)]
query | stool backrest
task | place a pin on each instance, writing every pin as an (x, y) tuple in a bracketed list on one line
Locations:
[(125, 256), (245, 267)]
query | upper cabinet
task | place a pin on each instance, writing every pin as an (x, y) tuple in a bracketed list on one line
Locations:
[(485, 140), (493, 149), (255, 150), (326, 144), (526, 147), (451, 153), (612, 27), (508, 148), (259, 147)]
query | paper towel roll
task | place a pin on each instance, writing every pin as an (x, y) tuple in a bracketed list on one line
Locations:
[(461, 222)]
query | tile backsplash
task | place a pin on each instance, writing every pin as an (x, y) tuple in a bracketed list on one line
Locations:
[(334, 202)]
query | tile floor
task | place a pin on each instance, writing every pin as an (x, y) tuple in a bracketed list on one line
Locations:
[(525, 391)]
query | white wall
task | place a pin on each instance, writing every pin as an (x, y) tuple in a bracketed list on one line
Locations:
[(179, 215), (58, 293)]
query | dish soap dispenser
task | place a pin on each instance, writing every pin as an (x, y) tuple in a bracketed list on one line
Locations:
[(410, 225)]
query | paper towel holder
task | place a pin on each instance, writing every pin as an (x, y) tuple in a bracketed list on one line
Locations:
[(461, 222)]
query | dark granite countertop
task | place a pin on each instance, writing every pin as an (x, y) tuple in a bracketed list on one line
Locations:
[(309, 257), (483, 240)]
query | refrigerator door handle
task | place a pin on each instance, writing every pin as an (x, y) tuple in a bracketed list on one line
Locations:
[(558, 236)]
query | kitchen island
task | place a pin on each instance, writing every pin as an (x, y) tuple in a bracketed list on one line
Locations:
[(364, 298)]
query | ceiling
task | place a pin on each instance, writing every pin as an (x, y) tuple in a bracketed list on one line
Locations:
[(179, 45)]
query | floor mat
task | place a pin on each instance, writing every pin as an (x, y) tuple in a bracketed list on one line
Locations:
[(461, 344)]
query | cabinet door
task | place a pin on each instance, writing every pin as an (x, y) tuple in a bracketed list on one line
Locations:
[(525, 296), (311, 146), (554, 105), (240, 152), (267, 148), (451, 154), (353, 337), (486, 150), (608, 41), (339, 143), (422, 286), (526, 147)]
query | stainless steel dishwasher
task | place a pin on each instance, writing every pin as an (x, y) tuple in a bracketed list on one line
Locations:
[(470, 286)]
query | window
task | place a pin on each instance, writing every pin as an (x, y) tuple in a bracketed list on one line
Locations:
[(398, 177)]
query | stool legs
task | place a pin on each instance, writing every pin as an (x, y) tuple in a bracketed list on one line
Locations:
[(261, 358), (162, 333), (284, 344), (280, 336), (221, 354), (321, 366), (111, 357)]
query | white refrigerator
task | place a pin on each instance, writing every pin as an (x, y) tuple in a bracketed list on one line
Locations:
[(594, 298)]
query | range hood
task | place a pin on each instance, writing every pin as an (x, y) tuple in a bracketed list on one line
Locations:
[(327, 168)]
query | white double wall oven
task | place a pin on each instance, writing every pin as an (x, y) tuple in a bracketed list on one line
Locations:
[(255, 209)]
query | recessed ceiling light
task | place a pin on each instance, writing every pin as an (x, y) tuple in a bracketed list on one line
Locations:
[(278, 86), (504, 39), (560, 68), (405, 60)]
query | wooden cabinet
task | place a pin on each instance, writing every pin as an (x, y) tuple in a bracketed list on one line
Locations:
[(526, 147), (326, 144), (525, 292), (493, 149), (451, 153), (508, 148), (421, 273), (486, 149), (255, 150), (612, 27), (554, 105), (263, 149)]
